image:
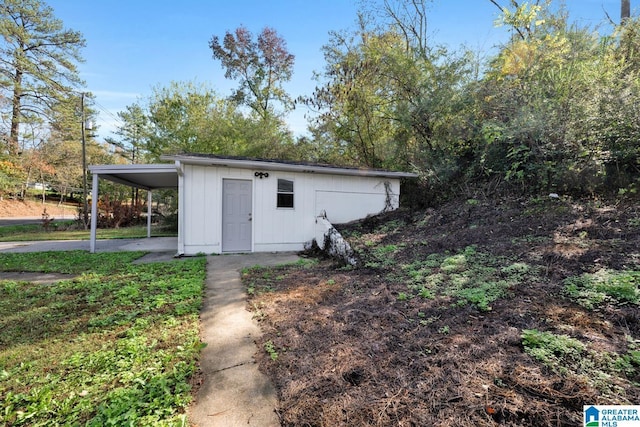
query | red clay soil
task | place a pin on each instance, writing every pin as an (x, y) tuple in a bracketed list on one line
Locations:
[(21, 209), (354, 347)]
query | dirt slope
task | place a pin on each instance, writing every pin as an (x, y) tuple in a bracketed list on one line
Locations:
[(479, 313), (22, 209)]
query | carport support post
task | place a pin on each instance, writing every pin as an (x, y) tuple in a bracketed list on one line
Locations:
[(94, 213), (148, 213)]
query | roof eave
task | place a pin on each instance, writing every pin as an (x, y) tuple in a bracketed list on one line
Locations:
[(287, 167), (138, 168)]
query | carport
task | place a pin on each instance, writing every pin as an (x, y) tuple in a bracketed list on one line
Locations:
[(146, 177)]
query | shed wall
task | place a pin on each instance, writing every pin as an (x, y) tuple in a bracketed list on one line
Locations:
[(342, 198)]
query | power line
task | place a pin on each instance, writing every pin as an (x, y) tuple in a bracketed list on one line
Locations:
[(107, 112), (99, 106)]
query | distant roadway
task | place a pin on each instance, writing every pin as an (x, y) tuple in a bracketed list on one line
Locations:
[(20, 221)]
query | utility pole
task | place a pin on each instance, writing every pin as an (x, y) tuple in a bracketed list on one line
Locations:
[(85, 205), (625, 10)]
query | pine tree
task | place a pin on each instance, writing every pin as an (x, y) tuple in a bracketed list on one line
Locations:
[(38, 62)]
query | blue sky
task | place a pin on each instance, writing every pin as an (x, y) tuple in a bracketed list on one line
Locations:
[(135, 45)]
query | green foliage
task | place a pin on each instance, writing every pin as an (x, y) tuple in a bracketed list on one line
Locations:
[(41, 59), (470, 277), (270, 348), (403, 296), (555, 351), (566, 131), (186, 117), (11, 175), (380, 256), (388, 99), (482, 295), (569, 356), (591, 290), (391, 226), (550, 112), (72, 262), (122, 341), (136, 126), (190, 118)]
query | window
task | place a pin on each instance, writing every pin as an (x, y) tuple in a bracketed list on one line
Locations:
[(285, 193)]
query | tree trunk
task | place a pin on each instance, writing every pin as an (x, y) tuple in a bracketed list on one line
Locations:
[(44, 190), (63, 191), (13, 146)]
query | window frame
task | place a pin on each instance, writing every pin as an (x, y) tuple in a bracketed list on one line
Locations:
[(285, 193)]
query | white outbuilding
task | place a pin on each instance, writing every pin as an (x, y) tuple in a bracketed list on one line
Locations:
[(236, 205)]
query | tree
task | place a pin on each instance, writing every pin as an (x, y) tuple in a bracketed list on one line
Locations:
[(186, 117), (63, 147), (557, 108), (37, 62), (388, 97), (410, 18), (357, 100), (132, 134), (261, 66), (11, 173)]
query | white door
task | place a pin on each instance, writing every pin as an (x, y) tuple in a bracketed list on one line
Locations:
[(236, 215)]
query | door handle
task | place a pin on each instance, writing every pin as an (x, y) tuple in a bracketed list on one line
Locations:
[(250, 218)]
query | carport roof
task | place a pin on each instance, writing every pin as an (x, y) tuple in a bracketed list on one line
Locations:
[(147, 177)]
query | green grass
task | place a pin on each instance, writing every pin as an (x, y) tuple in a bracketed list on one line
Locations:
[(71, 262), (17, 230), (20, 233), (116, 345)]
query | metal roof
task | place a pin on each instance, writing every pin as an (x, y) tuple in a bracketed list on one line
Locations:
[(147, 177), (280, 165), (156, 176)]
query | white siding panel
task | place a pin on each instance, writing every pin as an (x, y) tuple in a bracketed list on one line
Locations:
[(202, 249), (196, 189), (280, 247), (344, 198), (213, 214), (341, 207), (202, 216)]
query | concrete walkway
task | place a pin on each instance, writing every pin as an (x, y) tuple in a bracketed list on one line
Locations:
[(233, 392)]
